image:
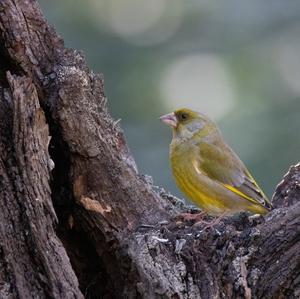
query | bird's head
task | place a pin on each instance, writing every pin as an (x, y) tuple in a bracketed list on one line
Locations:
[(186, 123)]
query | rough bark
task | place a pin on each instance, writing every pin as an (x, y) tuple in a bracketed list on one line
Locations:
[(77, 220)]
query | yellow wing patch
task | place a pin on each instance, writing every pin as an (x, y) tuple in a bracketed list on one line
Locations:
[(256, 185), (238, 192)]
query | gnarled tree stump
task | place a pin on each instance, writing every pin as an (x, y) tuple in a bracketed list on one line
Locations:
[(76, 218)]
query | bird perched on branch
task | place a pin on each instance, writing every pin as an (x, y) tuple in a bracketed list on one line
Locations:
[(207, 170)]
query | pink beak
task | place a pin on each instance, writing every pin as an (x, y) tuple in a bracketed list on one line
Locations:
[(169, 119)]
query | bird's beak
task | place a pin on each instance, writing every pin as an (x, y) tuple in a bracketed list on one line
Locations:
[(169, 119)]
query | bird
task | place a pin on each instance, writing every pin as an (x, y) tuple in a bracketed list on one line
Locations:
[(207, 170)]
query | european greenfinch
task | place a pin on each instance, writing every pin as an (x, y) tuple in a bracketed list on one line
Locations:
[(207, 170)]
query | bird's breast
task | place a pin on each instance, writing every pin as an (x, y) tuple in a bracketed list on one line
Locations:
[(186, 172), (185, 164)]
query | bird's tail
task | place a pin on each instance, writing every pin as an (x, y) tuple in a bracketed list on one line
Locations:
[(258, 209)]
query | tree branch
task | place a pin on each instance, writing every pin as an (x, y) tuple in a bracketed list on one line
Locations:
[(117, 229)]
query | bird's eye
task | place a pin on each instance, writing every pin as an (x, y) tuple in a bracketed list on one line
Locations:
[(184, 116)]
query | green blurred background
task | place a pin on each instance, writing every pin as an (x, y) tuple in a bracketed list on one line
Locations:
[(236, 61)]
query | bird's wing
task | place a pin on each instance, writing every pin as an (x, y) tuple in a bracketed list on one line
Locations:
[(223, 165)]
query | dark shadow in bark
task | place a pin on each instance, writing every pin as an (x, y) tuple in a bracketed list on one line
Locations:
[(116, 227)]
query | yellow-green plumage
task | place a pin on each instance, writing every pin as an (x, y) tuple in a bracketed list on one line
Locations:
[(207, 170)]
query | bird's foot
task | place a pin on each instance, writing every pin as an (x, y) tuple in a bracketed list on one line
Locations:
[(191, 217), (211, 224)]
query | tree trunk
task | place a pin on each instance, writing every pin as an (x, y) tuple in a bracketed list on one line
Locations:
[(77, 220)]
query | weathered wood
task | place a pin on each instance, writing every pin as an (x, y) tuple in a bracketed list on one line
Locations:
[(33, 261), (116, 228)]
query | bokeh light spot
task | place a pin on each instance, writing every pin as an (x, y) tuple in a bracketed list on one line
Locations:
[(200, 82), (133, 17), (144, 23), (287, 59)]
